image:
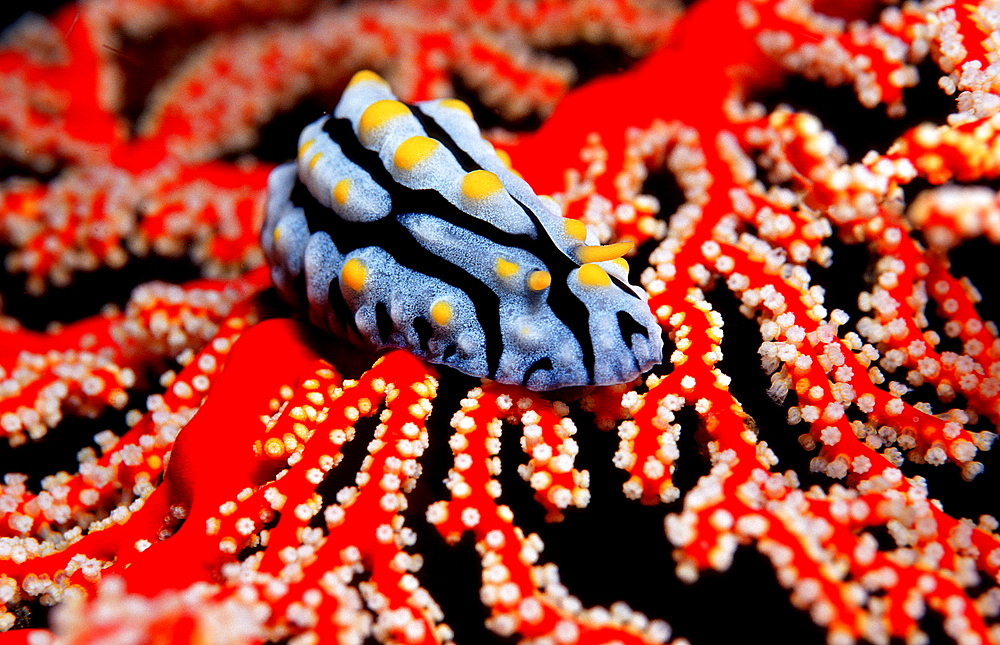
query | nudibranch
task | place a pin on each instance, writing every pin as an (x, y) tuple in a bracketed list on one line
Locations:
[(400, 226)]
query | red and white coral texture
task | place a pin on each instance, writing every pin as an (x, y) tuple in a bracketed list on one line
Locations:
[(268, 484)]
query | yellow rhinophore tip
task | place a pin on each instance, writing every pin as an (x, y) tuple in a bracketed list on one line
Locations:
[(378, 114), (441, 312), (539, 280), (593, 275), (575, 228), (366, 75), (480, 184), (603, 253), (457, 104), (506, 269), (354, 274), (341, 190), (413, 151)]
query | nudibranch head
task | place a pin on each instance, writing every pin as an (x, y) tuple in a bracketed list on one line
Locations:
[(400, 226)]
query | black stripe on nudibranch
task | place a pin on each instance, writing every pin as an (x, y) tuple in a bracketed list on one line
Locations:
[(434, 245), (628, 326), (424, 332), (544, 363), (383, 321), (435, 131)]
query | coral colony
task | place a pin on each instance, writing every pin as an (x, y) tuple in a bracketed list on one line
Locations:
[(252, 478)]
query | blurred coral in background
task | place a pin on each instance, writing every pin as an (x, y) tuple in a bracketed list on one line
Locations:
[(811, 188)]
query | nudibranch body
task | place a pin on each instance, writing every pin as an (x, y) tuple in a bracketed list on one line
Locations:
[(401, 226)]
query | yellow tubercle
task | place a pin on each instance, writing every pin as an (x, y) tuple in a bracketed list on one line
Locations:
[(378, 114), (539, 280), (277, 234), (441, 312), (593, 276), (414, 150), (480, 184), (341, 191), (504, 157), (366, 75), (457, 104), (575, 229), (305, 146), (622, 263), (315, 160), (506, 269), (603, 253), (354, 273)]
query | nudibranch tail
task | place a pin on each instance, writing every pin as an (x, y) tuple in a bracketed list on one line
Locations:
[(401, 226)]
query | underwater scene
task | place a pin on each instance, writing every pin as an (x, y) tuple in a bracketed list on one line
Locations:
[(495, 321)]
